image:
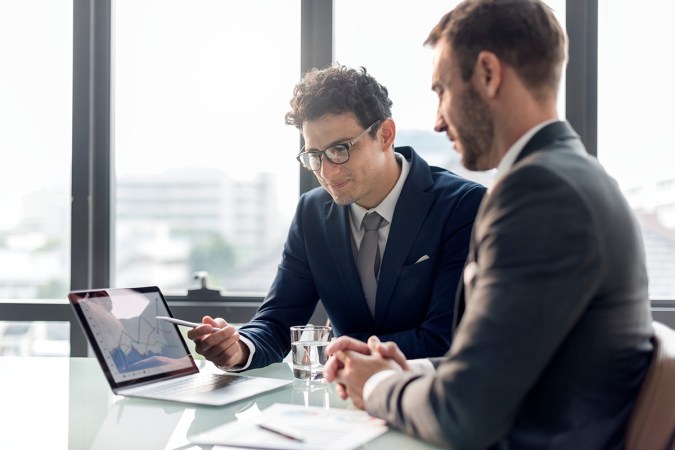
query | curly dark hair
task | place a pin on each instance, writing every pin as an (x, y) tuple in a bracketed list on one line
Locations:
[(337, 90)]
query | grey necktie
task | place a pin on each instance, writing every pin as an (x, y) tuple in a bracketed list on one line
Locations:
[(368, 260)]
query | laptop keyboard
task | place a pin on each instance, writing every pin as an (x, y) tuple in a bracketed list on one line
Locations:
[(196, 385)]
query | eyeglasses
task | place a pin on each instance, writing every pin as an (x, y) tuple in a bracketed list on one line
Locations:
[(337, 154)]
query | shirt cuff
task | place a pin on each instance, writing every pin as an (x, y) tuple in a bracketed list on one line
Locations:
[(375, 380), (422, 366), (251, 350), (418, 366)]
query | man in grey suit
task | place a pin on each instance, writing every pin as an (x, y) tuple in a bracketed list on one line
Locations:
[(553, 339)]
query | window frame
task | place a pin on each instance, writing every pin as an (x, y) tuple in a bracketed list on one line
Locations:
[(93, 150), (92, 211)]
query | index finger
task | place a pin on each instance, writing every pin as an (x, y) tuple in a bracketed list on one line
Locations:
[(202, 330), (347, 343), (330, 369), (391, 351)]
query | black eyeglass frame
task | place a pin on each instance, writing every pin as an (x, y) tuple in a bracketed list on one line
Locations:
[(343, 147)]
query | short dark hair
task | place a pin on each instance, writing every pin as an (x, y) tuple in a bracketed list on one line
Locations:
[(524, 34), (337, 90)]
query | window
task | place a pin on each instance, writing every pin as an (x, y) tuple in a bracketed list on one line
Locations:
[(199, 93), (206, 178), (35, 110), (634, 124), (392, 51)]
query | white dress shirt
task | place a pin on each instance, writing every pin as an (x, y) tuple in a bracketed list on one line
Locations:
[(385, 209), (511, 155)]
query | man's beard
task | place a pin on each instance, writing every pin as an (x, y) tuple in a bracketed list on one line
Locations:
[(475, 132)]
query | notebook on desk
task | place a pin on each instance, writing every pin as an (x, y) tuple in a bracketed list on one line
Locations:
[(142, 356)]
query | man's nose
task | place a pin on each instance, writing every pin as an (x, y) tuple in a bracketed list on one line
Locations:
[(440, 126)]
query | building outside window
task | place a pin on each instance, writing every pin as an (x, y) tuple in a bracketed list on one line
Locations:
[(206, 178)]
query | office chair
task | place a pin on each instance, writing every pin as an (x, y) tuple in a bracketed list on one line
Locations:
[(652, 423)]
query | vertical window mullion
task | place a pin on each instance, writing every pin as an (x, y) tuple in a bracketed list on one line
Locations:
[(581, 103), (91, 152), (316, 51)]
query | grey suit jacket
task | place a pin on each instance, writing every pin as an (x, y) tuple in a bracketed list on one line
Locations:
[(554, 336)]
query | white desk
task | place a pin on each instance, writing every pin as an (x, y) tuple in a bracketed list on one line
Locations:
[(66, 403)]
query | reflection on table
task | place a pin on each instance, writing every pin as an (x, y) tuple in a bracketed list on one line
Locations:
[(65, 403)]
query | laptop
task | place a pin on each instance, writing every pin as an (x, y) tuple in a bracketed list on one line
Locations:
[(142, 356)]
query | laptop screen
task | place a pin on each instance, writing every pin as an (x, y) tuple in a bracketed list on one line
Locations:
[(131, 344)]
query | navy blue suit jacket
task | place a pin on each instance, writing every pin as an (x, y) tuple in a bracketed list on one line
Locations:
[(415, 300)]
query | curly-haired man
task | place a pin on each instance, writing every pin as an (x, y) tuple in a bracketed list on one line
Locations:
[(422, 218)]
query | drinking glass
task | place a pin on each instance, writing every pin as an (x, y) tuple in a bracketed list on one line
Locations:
[(308, 344)]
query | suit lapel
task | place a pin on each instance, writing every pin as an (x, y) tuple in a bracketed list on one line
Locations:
[(411, 210), (542, 140), (545, 137), (471, 258), (460, 304)]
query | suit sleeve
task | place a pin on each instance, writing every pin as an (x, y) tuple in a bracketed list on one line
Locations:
[(433, 336), (538, 262), (291, 300)]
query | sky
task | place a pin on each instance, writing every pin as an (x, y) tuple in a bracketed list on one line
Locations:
[(196, 86)]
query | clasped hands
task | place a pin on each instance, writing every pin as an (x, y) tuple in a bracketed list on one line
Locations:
[(353, 362)]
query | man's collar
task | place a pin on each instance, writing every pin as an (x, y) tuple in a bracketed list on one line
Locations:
[(512, 153)]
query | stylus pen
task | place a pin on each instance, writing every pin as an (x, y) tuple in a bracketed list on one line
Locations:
[(283, 431), (185, 323)]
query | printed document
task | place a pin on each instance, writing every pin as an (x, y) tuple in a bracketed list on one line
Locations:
[(308, 428)]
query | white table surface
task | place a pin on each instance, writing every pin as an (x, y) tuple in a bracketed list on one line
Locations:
[(66, 403)]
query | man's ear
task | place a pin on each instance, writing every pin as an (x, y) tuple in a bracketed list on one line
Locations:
[(488, 73), (387, 133)]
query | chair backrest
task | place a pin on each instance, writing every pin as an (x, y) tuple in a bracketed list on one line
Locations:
[(652, 423)]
